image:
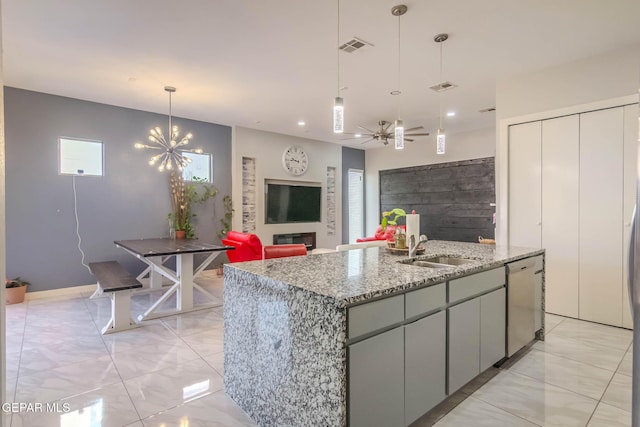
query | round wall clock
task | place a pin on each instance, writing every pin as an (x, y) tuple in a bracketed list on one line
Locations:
[(295, 160)]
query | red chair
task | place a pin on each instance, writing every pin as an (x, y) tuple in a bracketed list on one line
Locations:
[(249, 248), (386, 234)]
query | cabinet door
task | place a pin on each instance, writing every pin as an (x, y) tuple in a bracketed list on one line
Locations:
[(425, 349), (376, 380), (524, 185), (464, 343), (630, 182), (560, 185), (493, 328), (601, 220)]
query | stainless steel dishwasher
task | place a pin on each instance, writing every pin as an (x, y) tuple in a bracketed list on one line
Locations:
[(520, 304)]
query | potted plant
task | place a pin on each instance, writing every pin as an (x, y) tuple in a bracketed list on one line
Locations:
[(391, 217), (15, 290), (183, 196)]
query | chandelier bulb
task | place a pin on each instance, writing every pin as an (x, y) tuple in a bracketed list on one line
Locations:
[(189, 135), (138, 145)]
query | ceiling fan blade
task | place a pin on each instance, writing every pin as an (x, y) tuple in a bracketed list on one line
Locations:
[(412, 129), (355, 137), (418, 134), (388, 126), (368, 130), (368, 140), (407, 139)]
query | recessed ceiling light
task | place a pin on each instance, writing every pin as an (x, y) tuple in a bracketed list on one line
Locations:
[(358, 135), (451, 113), (395, 92), (301, 123)]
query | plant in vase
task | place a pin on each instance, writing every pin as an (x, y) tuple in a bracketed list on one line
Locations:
[(183, 197), (15, 290)]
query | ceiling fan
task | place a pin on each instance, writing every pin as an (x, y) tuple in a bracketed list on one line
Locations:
[(385, 133)]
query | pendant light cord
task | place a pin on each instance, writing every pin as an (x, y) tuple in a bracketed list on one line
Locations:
[(399, 90), (338, 47), (440, 93), (170, 128)]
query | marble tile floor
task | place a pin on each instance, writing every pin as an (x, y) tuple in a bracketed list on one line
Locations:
[(580, 376), (169, 372)]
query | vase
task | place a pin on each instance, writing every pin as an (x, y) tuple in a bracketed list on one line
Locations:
[(181, 234), (15, 295)]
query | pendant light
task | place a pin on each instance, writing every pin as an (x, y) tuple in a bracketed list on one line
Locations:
[(399, 125), (172, 151), (441, 137), (338, 103)]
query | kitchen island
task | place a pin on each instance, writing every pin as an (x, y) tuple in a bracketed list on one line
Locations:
[(361, 337)]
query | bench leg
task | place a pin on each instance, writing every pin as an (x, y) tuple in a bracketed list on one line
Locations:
[(120, 313), (97, 293)]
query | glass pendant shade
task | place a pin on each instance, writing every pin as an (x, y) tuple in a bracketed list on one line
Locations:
[(440, 142), (338, 115), (399, 134)]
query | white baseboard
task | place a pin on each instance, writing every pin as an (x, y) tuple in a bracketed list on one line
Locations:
[(59, 292)]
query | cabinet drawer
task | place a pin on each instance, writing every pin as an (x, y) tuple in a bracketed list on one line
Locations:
[(375, 315), (475, 284), (425, 300)]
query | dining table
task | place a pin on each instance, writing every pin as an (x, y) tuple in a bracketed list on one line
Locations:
[(156, 252)]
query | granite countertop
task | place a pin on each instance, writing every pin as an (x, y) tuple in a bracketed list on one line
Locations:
[(361, 274)]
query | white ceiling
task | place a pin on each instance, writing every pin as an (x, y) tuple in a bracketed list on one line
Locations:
[(267, 64)]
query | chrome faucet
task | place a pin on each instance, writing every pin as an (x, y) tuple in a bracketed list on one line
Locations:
[(413, 247)]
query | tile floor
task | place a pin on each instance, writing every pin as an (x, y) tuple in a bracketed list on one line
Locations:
[(169, 372)]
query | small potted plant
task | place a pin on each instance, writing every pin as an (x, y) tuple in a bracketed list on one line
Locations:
[(183, 197), (15, 290)]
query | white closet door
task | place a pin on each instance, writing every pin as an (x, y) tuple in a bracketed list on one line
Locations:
[(560, 210), (525, 185), (601, 220), (630, 181)]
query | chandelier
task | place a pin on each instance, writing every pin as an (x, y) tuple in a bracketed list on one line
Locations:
[(172, 151)]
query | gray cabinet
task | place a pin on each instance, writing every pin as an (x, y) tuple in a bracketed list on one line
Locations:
[(492, 328), (376, 380), (477, 336), (464, 343), (425, 344)]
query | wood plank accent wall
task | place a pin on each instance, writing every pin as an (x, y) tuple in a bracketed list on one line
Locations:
[(453, 199)]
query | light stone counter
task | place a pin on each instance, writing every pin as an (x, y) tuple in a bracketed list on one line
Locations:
[(285, 323)]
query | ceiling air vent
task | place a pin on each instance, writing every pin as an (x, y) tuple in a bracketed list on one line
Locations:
[(487, 110), (354, 45), (441, 87)]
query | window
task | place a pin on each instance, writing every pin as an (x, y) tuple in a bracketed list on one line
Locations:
[(356, 205), (201, 167), (80, 156)]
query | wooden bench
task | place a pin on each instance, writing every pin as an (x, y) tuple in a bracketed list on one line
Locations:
[(115, 281)]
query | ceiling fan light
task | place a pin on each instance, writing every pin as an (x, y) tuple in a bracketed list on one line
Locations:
[(338, 115), (440, 142), (399, 134)]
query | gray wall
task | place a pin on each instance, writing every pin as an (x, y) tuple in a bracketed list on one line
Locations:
[(130, 201), (352, 158), (453, 199)]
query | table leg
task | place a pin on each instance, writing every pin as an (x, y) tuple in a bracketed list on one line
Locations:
[(184, 264)]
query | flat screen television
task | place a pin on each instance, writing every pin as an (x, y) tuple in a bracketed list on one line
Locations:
[(287, 203)]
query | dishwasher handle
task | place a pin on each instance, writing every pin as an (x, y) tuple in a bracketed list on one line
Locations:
[(517, 266)]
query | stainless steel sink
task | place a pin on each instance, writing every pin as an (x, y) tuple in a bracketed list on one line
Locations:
[(438, 262), (448, 260), (419, 263)]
